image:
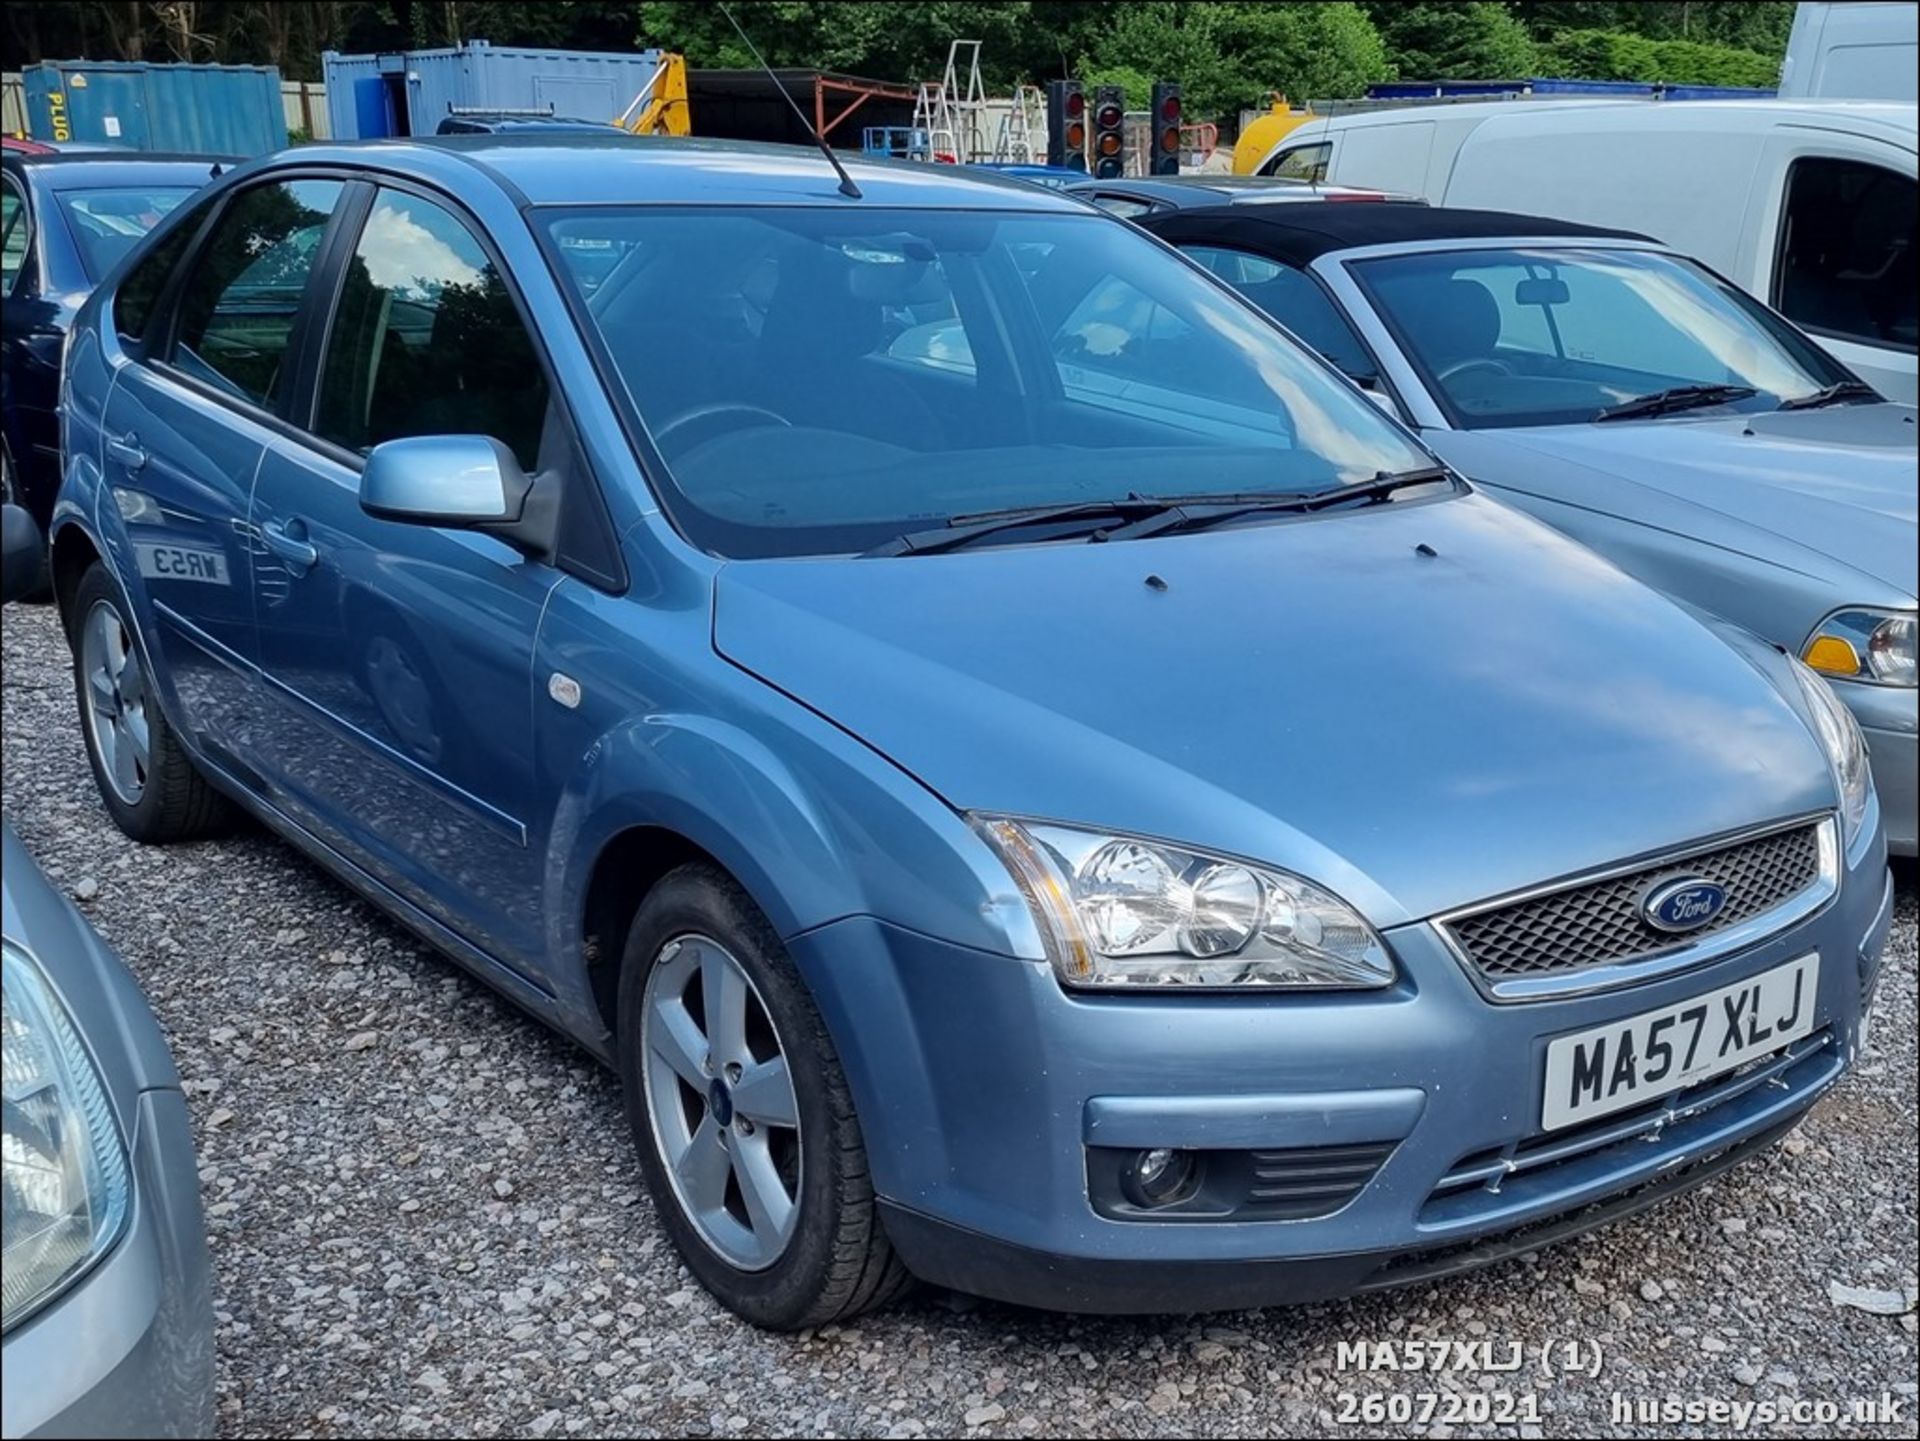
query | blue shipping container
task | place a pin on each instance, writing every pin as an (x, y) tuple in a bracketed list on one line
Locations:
[(182, 109), (409, 92)]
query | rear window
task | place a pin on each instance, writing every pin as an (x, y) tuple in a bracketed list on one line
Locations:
[(106, 224)]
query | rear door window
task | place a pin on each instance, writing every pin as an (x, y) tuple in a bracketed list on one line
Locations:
[(140, 289), (1846, 252), (237, 310)]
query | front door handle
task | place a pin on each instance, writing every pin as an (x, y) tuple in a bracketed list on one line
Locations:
[(289, 542), (126, 451)]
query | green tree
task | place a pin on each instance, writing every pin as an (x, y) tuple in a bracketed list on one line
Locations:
[(1478, 41), (1762, 26), (1616, 55), (1229, 56)]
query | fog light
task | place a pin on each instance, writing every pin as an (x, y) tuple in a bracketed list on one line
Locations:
[(1158, 1177)]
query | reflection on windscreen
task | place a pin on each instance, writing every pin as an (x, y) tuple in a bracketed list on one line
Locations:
[(822, 380), (1555, 336), (105, 224)]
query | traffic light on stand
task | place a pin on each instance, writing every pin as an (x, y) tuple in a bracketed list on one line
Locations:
[(1163, 126), (1066, 124), (1109, 132)]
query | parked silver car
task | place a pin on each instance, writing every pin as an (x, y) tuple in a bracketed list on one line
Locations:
[(1633, 399), (108, 1321)]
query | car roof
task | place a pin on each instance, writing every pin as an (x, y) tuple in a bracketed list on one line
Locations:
[(577, 169), (100, 169), (1301, 234)]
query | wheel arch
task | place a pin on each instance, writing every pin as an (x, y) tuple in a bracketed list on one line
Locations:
[(629, 865), (72, 551), (813, 828)]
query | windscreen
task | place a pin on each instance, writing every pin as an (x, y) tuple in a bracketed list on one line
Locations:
[(1557, 336), (106, 224), (818, 381)]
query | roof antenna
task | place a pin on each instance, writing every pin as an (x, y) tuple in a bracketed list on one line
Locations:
[(847, 187)]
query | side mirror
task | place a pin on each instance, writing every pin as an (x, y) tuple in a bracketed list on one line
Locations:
[(460, 482), (23, 553)]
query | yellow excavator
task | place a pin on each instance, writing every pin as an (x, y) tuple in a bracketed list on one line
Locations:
[(661, 107)]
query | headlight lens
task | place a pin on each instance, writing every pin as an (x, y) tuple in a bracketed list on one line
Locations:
[(1866, 645), (65, 1185), (1117, 911), (1846, 748)]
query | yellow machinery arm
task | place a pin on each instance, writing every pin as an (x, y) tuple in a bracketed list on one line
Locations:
[(661, 108)]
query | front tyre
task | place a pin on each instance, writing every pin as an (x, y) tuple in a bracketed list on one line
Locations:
[(148, 782), (742, 1115)]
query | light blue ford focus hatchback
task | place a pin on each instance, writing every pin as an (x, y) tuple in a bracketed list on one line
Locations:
[(1033, 780)]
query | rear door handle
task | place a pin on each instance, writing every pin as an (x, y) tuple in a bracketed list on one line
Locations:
[(290, 544), (127, 451)]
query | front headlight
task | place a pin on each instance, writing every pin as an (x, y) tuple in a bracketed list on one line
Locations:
[(1117, 911), (65, 1187), (1876, 646), (1846, 749)]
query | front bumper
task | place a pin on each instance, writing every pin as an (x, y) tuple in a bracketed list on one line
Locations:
[(128, 1349), (1888, 718), (983, 1088)]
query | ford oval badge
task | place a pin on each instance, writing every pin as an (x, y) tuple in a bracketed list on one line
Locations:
[(1684, 904)]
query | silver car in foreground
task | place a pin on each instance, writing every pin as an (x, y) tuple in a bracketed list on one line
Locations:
[(108, 1305), (1634, 400)]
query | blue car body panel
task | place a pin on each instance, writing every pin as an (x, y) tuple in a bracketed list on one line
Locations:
[(1420, 706)]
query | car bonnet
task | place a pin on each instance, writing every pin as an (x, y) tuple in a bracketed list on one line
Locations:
[(1416, 731)]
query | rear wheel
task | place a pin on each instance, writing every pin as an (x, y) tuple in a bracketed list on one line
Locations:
[(742, 1115), (143, 773)]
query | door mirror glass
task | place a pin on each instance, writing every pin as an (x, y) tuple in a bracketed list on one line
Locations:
[(456, 481), (23, 552)]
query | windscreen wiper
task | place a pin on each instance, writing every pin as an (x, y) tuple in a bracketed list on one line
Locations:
[(1201, 511), (963, 530), (1831, 394), (1679, 397)]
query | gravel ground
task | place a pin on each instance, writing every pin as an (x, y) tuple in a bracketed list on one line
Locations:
[(426, 1218)]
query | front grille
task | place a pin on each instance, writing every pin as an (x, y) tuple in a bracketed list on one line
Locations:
[(1599, 923), (1502, 1176)]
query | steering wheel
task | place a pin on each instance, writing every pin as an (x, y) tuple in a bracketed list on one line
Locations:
[(731, 415), (1471, 363)]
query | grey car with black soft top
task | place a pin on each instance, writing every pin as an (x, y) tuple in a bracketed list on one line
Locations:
[(1632, 398)]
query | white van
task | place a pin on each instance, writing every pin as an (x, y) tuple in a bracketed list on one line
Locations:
[(1809, 204), (1853, 52)]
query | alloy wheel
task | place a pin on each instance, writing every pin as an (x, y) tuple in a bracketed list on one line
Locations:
[(116, 685), (720, 1094)]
